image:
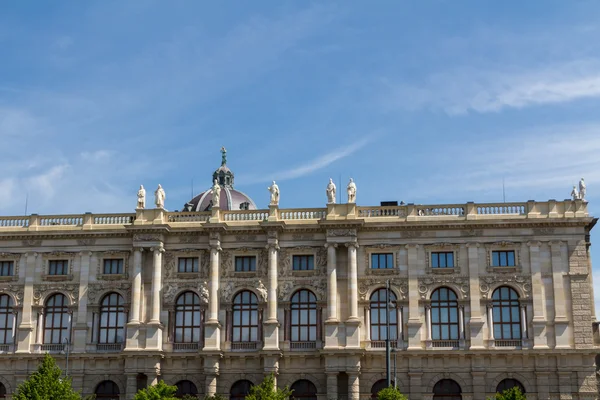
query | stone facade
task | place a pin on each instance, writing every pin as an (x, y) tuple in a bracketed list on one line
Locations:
[(553, 355)]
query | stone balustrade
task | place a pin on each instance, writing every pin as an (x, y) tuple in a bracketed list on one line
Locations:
[(403, 213)]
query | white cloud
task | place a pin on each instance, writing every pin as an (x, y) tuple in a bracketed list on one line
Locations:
[(465, 90)]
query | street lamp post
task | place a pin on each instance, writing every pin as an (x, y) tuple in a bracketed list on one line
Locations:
[(66, 346), (387, 336)]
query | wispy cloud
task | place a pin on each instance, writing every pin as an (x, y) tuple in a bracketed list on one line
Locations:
[(464, 90)]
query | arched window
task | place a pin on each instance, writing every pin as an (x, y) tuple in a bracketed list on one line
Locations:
[(245, 317), (447, 389), (185, 387), (303, 326), (304, 389), (507, 320), (187, 318), (56, 319), (444, 314), (6, 319), (378, 317), (378, 387), (112, 319), (509, 384), (240, 390), (2, 391), (107, 390)]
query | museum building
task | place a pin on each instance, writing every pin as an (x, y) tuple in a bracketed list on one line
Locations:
[(213, 298)]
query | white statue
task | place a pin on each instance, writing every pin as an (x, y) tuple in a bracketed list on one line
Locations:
[(575, 193), (203, 292), (331, 189), (582, 189), (262, 290), (159, 197), (216, 194), (141, 202), (274, 189), (351, 191)]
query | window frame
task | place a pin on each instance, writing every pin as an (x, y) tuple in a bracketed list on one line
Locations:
[(184, 309), (377, 309), (7, 319), (436, 254), (389, 260), (9, 266), (65, 319), (500, 252), (120, 266), (107, 396), (444, 308), (498, 314), (310, 262), (65, 265), (251, 309), (253, 260), (302, 308), (112, 325), (195, 267)]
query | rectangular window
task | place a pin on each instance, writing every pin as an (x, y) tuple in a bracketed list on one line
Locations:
[(188, 264), (442, 259), (503, 258), (113, 266), (6, 268), (382, 261), (245, 264), (303, 263), (58, 267)]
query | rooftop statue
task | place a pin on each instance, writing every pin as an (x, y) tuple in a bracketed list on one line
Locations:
[(331, 189), (274, 189), (216, 194), (159, 197), (141, 198), (575, 193), (582, 189), (223, 155), (351, 191)]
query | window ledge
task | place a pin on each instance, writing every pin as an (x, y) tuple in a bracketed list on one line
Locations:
[(382, 271), (57, 278), (308, 272), (9, 278), (245, 274), (511, 269), (188, 275), (443, 270), (112, 277)]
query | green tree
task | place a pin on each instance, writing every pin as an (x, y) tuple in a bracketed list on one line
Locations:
[(390, 393), (267, 391), (161, 391), (510, 394), (46, 384), (215, 397)]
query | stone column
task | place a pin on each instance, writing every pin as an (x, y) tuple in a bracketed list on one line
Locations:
[(558, 251), (352, 282), (461, 322), (211, 385), (490, 310), (476, 321), (428, 320), (80, 326), (131, 388), (136, 287), (25, 337), (414, 316), (271, 325), (368, 324), (539, 299), (332, 385), (212, 327), (40, 327), (156, 284), (353, 386), (331, 283), (523, 321), (400, 319)]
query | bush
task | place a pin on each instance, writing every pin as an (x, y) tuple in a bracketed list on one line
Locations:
[(510, 394), (390, 393), (46, 384), (161, 391), (267, 391), (215, 397)]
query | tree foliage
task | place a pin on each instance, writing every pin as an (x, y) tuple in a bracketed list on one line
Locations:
[(510, 394), (267, 391), (215, 397), (160, 391), (390, 393), (46, 384)]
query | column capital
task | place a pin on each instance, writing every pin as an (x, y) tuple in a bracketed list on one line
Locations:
[(427, 306), (138, 248), (489, 305), (328, 245), (216, 247), (473, 244), (461, 307), (352, 244), (554, 243), (158, 249), (85, 253), (273, 246), (412, 245), (534, 243), (31, 253)]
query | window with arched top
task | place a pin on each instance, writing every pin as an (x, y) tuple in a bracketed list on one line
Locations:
[(186, 388), (107, 390), (444, 314), (188, 317), (509, 383), (57, 319), (447, 389), (6, 319), (240, 389), (245, 317), (2, 391), (303, 308), (379, 318), (304, 389), (505, 313), (378, 387), (112, 319)]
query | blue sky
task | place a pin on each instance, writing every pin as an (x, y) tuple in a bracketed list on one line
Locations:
[(426, 102)]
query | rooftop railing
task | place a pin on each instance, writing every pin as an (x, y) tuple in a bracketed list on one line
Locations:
[(402, 213)]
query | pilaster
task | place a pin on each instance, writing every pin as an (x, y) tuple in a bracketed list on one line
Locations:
[(212, 326), (414, 316), (80, 327), (476, 322), (24, 335), (540, 341)]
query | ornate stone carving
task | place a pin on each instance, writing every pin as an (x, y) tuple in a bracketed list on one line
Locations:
[(189, 239), (284, 289), (399, 285), (203, 291), (262, 290), (245, 238), (159, 197), (138, 237), (227, 291), (16, 291), (95, 290), (471, 232), (411, 234), (428, 283), (543, 231), (226, 264), (32, 242), (171, 256), (43, 290), (172, 289), (303, 236), (318, 286), (487, 281), (214, 236), (86, 242), (274, 190), (341, 232)]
